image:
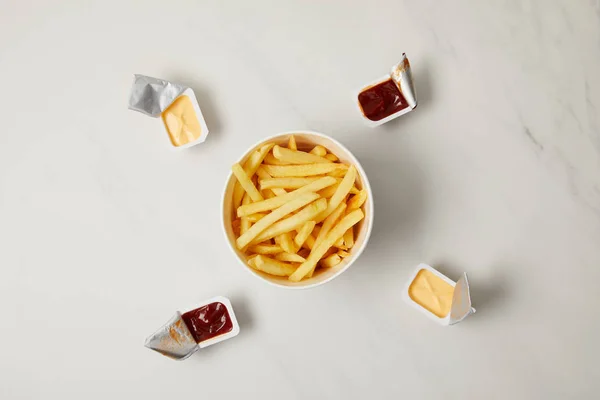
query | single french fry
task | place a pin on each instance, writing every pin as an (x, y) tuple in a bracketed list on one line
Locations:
[(297, 157), (283, 171), (250, 167), (334, 234), (287, 244), (290, 223), (279, 191), (292, 143), (339, 195), (277, 214), (271, 160), (330, 222), (349, 238), (354, 190), (304, 232), (290, 257), (328, 191), (273, 267), (331, 157), (331, 261), (286, 183), (246, 224), (357, 200), (340, 242), (319, 151), (255, 217), (343, 254), (278, 201), (246, 183), (265, 249)]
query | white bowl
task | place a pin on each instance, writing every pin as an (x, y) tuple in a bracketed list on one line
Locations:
[(305, 140)]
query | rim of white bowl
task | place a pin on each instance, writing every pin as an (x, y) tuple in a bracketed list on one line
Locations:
[(365, 184)]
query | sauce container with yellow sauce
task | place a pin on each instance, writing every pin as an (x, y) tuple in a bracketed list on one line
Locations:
[(175, 104), (437, 296)]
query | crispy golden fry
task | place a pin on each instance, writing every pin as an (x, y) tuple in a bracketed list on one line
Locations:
[(250, 167), (255, 217), (246, 224), (331, 157), (283, 171), (304, 232), (286, 183), (265, 249), (297, 157), (290, 257), (271, 160), (287, 244), (341, 192), (273, 267), (278, 201), (334, 234), (279, 191), (349, 238), (330, 222), (246, 183), (357, 200), (343, 253), (292, 143), (319, 151), (295, 221), (276, 215), (331, 261)]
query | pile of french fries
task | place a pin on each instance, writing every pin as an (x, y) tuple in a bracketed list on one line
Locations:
[(295, 211)]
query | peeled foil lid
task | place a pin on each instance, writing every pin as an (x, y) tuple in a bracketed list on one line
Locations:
[(151, 96), (461, 301), (402, 75), (173, 340)]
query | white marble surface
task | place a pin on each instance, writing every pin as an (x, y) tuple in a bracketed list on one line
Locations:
[(104, 232)]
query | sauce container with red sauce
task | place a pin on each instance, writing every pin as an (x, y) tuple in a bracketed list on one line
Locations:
[(388, 97), (209, 323)]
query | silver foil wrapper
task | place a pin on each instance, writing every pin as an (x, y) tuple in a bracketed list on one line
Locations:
[(402, 75), (173, 340), (461, 301), (151, 96)]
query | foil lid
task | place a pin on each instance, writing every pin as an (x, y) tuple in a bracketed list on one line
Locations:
[(151, 96), (173, 340), (461, 301), (402, 75)]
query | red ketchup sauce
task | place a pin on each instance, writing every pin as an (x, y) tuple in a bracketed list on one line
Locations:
[(208, 321), (381, 100)]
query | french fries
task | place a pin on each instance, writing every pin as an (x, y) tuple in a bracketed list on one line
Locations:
[(283, 171), (297, 157), (246, 182), (318, 252), (272, 267), (278, 201), (295, 209), (275, 216)]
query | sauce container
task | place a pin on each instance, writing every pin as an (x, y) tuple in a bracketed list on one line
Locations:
[(209, 323), (388, 97), (177, 106), (437, 296)]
